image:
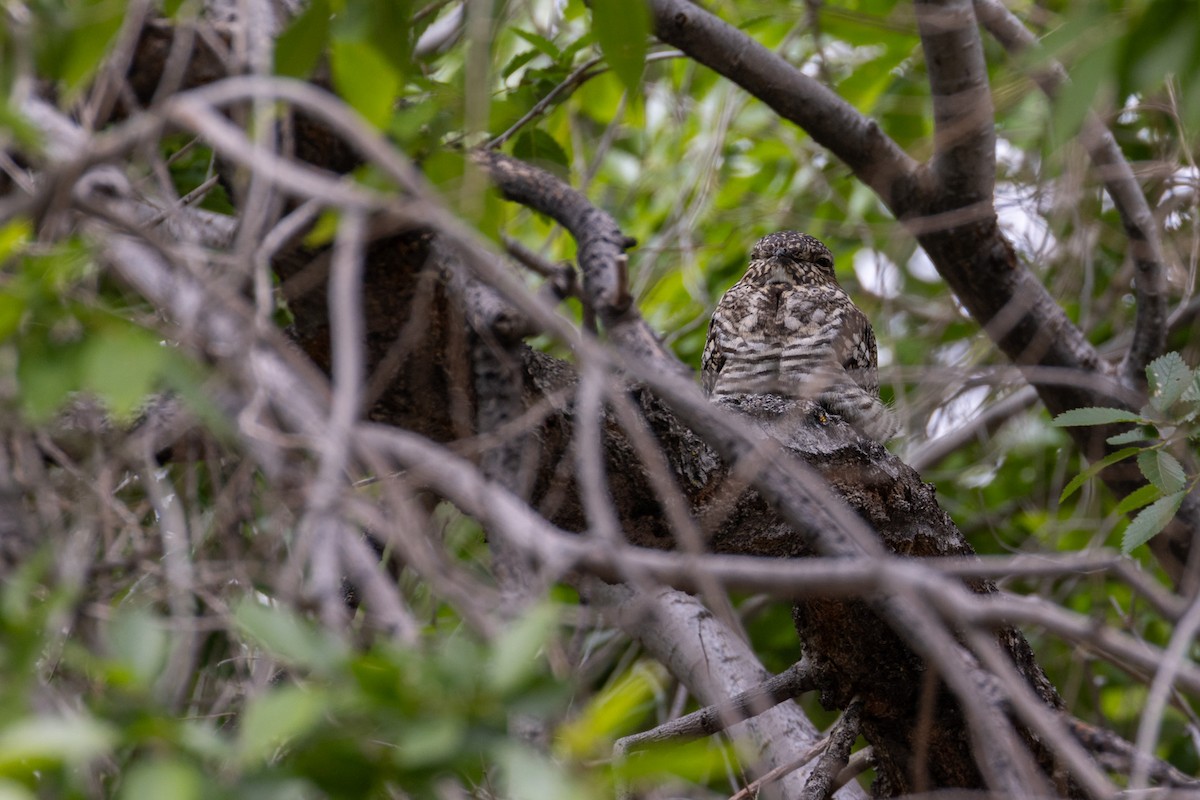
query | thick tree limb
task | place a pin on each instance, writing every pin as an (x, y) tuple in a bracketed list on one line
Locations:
[(715, 665), (964, 158)]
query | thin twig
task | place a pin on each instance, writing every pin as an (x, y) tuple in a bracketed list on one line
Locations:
[(792, 682), (752, 789), (837, 752), (1181, 642), (576, 78)]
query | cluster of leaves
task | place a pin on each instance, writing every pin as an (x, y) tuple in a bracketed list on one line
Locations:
[(68, 40), (69, 335), (332, 721), (1167, 424)]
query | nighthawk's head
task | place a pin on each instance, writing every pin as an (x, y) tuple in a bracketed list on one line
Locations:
[(790, 257)]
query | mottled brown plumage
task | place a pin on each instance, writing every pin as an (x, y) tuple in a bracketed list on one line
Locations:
[(788, 328)]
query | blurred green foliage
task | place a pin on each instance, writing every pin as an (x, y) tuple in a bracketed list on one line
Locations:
[(331, 720)]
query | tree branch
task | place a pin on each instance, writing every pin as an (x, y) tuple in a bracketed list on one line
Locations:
[(792, 682), (964, 158), (716, 666), (841, 738), (1149, 337), (601, 247)]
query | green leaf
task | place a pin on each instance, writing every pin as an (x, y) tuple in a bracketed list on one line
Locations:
[(529, 775), (445, 170), (162, 778), (138, 640), (1094, 416), (324, 229), (430, 742), (37, 742), (18, 128), (365, 79), (1137, 498), (1135, 436), (1169, 376), (274, 718), (543, 44), (299, 48), (12, 311), (46, 374), (73, 38), (121, 363), (1192, 393), (612, 712), (515, 655), (389, 29), (518, 61), (1087, 474), (1162, 41), (14, 237), (290, 637), (688, 760), (1162, 469), (11, 790), (621, 28), (538, 147), (1088, 74), (1151, 520)]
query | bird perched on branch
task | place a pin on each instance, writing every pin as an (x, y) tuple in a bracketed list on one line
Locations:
[(788, 328)]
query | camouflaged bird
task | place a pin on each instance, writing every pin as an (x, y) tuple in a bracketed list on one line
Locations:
[(788, 328)]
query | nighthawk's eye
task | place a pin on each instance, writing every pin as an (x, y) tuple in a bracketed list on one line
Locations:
[(824, 262)]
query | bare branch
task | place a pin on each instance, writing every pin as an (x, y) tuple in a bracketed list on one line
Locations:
[(601, 246), (752, 790), (577, 78), (837, 753), (1046, 722), (1176, 656), (790, 683), (321, 524), (932, 452)]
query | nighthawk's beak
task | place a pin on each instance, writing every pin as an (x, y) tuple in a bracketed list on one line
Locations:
[(779, 274)]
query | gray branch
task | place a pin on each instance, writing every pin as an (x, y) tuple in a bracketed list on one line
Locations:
[(1150, 327), (964, 158)]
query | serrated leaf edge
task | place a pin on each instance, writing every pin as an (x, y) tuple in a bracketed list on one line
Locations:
[(1151, 520), (1103, 416)]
